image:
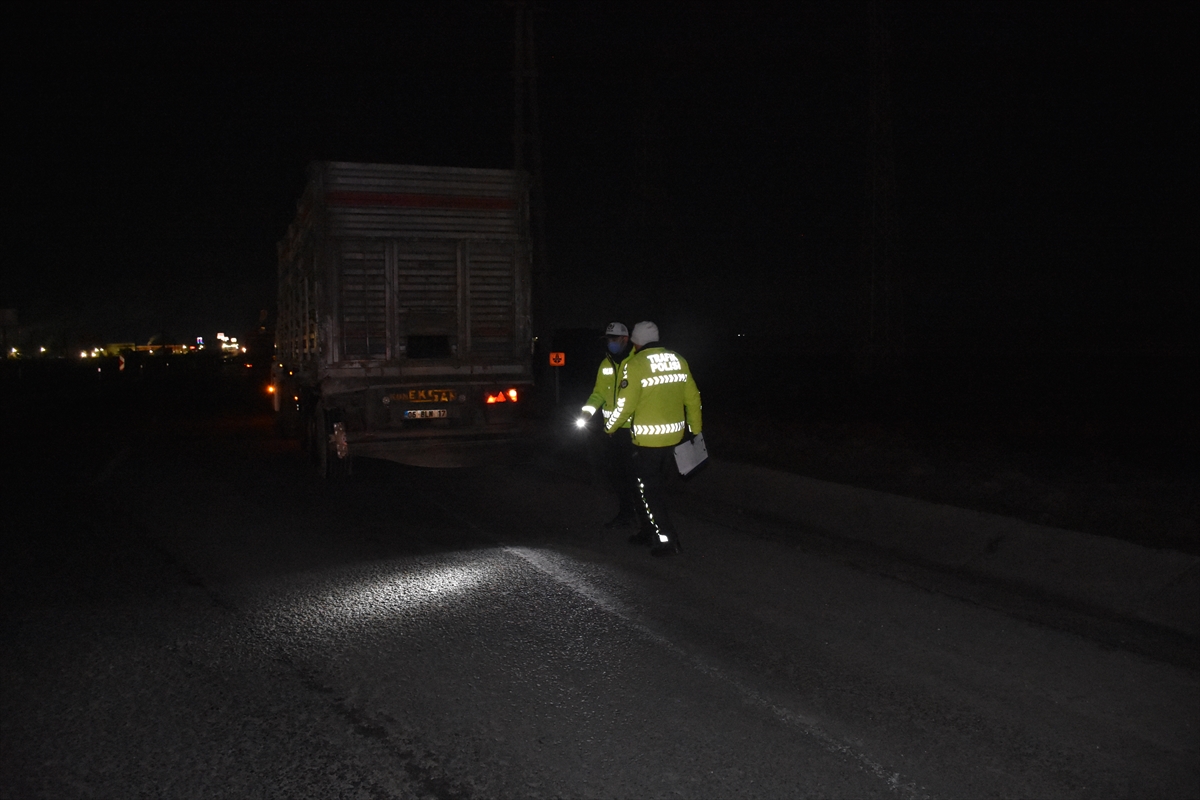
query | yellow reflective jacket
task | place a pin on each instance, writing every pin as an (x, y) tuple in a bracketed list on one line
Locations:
[(659, 396), (604, 393)]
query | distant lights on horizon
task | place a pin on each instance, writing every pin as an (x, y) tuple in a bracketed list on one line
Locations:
[(229, 346)]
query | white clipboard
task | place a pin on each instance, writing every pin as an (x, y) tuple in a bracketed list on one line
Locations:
[(689, 455)]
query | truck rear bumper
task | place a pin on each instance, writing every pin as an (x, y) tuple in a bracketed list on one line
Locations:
[(436, 449)]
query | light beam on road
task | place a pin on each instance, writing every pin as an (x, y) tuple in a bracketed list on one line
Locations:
[(321, 604), (410, 588)]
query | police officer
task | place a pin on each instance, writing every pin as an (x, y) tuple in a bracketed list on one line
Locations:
[(619, 446), (659, 396)]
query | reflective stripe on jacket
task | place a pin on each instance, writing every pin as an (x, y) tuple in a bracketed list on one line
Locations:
[(659, 396), (604, 393)]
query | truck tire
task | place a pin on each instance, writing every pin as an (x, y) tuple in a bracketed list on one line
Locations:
[(324, 451)]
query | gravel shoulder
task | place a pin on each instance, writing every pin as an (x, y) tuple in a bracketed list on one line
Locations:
[(1095, 493)]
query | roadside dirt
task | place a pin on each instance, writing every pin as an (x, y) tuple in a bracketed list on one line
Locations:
[(1101, 443), (1074, 486)]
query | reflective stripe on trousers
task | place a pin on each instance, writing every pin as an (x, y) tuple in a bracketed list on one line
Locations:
[(648, 466)]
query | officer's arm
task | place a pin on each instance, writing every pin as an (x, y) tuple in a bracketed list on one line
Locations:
[(629, 390), (596, 399), (691, 402)]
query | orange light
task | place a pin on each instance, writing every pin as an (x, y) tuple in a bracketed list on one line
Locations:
[(512, 395), (271, 389), (498, 397)]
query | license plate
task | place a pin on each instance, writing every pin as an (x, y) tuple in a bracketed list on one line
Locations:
[(425, 413), (426, 396)]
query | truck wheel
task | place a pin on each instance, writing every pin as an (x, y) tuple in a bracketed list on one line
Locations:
[(323, 446)]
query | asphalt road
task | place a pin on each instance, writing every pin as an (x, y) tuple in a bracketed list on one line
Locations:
[(189, 612)]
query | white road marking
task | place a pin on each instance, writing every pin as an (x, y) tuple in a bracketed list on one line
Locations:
[(893, 780), (809, 726)]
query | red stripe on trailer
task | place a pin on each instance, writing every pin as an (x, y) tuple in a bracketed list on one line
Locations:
[(397, 200)]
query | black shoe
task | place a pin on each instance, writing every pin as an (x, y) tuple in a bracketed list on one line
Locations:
[(666, 548), (643, 538), (620, 521)]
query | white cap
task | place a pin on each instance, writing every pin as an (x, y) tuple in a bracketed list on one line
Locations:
[(616, 329), (644, 332)]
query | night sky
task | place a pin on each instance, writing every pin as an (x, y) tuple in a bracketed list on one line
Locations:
[(705, 164)]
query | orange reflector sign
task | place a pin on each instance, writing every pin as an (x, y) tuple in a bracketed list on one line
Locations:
[(558, 359)]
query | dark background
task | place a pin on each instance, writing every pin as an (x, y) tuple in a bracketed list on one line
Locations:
[(705, 164)]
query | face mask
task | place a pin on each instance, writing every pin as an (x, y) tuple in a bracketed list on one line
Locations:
[(614, 347)]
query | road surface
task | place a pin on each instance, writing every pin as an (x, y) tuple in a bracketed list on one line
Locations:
[(190, 612)]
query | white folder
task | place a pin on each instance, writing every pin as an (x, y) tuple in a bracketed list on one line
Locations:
[(689, 455)]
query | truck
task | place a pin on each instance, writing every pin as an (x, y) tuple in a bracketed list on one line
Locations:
[(403, 329)]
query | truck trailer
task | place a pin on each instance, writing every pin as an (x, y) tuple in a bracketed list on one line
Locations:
[(403, 328)]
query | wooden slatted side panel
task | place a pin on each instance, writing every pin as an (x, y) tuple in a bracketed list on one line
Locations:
[(369, 200), (309, 326), (426, 287), (492, 267), (363, 299), (287, 330)]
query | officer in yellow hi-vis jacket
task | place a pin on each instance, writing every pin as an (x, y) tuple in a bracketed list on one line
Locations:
[(619, 446), (659, 396)]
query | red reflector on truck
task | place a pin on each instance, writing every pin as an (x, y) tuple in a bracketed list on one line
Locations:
[(359, 199), (506, 396)]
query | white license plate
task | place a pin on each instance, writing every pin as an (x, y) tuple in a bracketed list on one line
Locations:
[(425, 413)]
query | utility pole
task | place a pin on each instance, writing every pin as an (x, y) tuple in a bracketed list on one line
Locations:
[(651, 218), (883, 335), (519, 12), (527, 147)]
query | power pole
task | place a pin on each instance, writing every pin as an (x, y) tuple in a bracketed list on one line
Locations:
[(650, 219), (883, 335), (519, 12), (527, 147)]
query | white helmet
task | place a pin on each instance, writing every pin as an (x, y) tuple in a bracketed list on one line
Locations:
[(643, 333)]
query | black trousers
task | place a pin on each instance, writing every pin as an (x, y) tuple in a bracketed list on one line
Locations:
[(620, 473), (649, 465)]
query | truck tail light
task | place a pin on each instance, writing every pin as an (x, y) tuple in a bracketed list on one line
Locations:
[(506, 396)]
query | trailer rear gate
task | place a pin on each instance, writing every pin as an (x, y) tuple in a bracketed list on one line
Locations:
[(430, 262)]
